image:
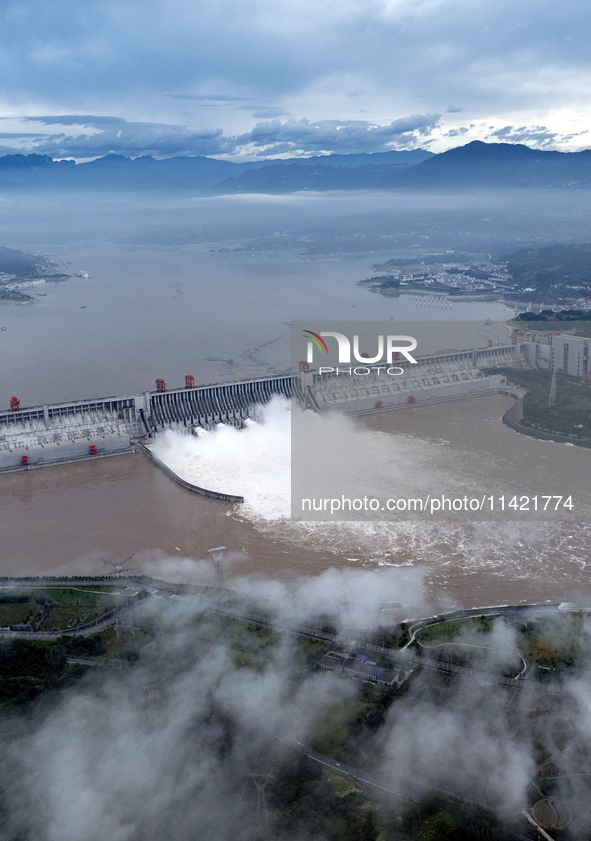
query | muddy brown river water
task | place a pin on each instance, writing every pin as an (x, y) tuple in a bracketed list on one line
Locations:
[(65, 519)]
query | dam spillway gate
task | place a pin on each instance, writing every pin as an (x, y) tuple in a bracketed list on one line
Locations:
[(75, 431)]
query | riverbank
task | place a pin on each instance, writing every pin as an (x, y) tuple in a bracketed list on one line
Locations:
[(511, 419), (13, 296), (563, 422), (434, 291), (10, 288)]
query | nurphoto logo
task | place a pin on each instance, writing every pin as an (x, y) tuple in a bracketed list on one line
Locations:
[(395, 347)]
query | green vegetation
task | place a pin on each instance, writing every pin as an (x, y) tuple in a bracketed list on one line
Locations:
[(308, 803), (251, 645), (571, 413), (576, 322), (524, 377), (556, 643), (346, 728), (57, 608), (425, 259), (246, 636), (559, 271), (8, 294), (307, 799), (309, 651), (20, 264), (84, 646), (30, 668), (448, 631), (440, 818), (385, 281), (552, 643), (394, 636), (112, 647), (13, 598)]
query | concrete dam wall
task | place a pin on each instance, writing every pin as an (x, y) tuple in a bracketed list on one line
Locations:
[(205, 406), (65, 432), (87, 429), (433, 379)]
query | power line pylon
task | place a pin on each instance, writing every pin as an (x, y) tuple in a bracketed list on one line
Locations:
[(260, 781), (120, 569), (552, 397), (218, 554), (123, 622)]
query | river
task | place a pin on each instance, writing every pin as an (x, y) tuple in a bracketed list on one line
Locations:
[(149, 311), (65, 519)]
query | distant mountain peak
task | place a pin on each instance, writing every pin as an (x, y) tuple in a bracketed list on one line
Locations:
[(25, 161), (480, 149), (475, 164)]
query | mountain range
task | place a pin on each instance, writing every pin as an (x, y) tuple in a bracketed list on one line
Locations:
[(19, 264), (474, 165)]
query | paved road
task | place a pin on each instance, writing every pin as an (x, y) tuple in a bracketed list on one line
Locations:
[(349, 770), (364, 777), (396, 656), (42, 583), (81, 631), (402, 658), (84, 661)]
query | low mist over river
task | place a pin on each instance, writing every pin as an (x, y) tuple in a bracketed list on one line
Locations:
[(208, 286)]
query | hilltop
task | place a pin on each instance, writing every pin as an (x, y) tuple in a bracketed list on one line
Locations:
[(474, 165)]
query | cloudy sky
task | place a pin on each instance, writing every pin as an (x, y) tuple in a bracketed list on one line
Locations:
[(270, 77)]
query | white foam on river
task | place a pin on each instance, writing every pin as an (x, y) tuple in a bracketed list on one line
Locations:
[(255, 462)]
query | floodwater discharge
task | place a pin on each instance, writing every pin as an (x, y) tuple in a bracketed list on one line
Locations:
[(66, 519)]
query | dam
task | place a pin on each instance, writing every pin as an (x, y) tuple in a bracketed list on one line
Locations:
[(87, 429)]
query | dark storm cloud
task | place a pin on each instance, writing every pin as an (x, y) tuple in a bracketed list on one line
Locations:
[(114, 135), (140, 55), (537, 136), (339, 136)]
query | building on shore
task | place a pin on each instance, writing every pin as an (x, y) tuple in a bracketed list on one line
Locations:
[(558, 352), (361, 667)]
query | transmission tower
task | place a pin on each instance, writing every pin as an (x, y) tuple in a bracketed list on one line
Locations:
[(120, 569), (260, 781), (552, 397), (218, 554), (123, 623)]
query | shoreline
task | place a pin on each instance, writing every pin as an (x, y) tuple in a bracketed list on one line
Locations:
[(13, 285), (440, 293), (10, 582), (540, 435), (444, 292), (421, 290), (512, 419)]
